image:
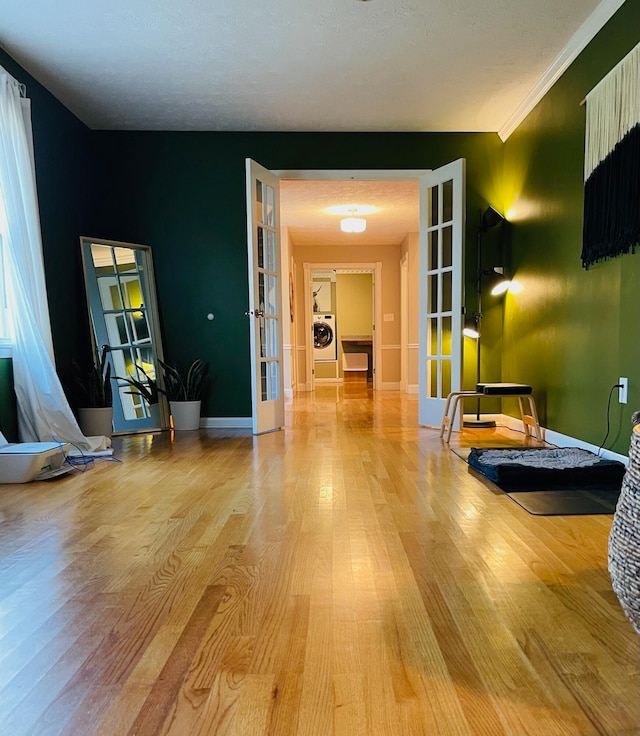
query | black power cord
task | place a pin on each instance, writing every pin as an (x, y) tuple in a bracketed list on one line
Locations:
[(613, 388)]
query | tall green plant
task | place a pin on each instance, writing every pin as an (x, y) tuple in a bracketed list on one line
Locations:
[(185, 387), (149, 389), (93, 383)]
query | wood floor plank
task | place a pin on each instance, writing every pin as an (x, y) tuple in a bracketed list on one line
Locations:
[(347, 576)]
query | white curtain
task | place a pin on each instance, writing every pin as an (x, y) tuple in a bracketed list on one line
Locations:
[(44, 414)]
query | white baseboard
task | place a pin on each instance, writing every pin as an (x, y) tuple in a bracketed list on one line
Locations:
[(559, 439), (226, 422), (391, 385), (288, 393), (412, 388)]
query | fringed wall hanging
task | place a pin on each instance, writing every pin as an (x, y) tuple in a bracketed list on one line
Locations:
[(612, 164)]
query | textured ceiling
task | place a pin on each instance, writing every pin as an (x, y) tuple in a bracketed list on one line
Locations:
[(303, 206), (290, 65), (293, 65)]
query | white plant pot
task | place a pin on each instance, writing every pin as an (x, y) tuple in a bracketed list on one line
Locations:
[(186, 414), (96, 421)]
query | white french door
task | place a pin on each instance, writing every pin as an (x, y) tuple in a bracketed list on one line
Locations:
[(265, 303), (442, 224)]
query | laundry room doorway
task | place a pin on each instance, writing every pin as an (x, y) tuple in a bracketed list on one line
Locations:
[(342, 307)]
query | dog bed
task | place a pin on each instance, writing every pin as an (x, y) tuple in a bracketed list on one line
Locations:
[(542, 468)]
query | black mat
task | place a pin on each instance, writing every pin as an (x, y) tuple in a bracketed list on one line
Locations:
[(548, 492)]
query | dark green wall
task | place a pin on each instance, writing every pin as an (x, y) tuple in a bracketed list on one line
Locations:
[(571, 333), (8, 414), (184, 194)]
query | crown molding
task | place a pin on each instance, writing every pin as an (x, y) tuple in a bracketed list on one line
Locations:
[(577, 43)]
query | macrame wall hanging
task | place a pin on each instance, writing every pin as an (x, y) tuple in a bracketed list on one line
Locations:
[(612, 164)]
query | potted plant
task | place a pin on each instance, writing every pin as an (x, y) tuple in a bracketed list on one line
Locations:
[(184, 392), (148, 389), (94, 395)]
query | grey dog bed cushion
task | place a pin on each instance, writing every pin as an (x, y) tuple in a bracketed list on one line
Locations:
[(542, 468)]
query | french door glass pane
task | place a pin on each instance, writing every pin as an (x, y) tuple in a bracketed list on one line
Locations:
[(260, 234), (445, 346), (447, 246), (271, 338), (434, 213), (264, 393), (446, 378), (270, 255), (259, 200), (433, 250), (270, 206), (432, 338), (263, 338), (261, 277), (432, 377), (271, 284), (274, 380), (447, 201), (447, 286), (433, 293)]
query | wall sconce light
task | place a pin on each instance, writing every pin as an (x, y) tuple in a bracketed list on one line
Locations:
[(471, 329), (502, 283)]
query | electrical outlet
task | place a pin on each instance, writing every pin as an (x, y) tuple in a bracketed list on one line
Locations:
[(622, 391)]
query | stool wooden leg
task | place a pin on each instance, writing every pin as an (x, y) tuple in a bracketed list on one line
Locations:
[(530, 420), (446, 419), (534, 416), (454, 406), (525, 419)]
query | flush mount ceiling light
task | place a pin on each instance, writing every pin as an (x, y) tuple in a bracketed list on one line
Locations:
[(353, 225)]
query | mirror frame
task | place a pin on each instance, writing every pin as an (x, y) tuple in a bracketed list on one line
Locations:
[(152, 318)]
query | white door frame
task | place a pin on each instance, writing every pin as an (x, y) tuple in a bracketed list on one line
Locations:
[(373, 268), (404, 323)]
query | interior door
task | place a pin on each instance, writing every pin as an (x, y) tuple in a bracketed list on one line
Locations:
[(442, 225), (265, 301)]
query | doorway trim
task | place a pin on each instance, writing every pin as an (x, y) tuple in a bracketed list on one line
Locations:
[(348, 175), (353, 174), (375, 269)]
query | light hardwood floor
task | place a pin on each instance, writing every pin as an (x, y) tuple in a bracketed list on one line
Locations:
[(348, 575)]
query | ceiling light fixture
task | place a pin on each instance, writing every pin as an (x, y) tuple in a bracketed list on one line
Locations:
[(353, 224)]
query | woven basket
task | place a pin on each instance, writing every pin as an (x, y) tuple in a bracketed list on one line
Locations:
[(624, 538)]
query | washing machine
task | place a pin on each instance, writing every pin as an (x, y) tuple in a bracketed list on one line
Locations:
[(324, 337)]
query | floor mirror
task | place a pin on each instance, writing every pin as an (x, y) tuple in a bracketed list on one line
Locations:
[(123, 312)]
